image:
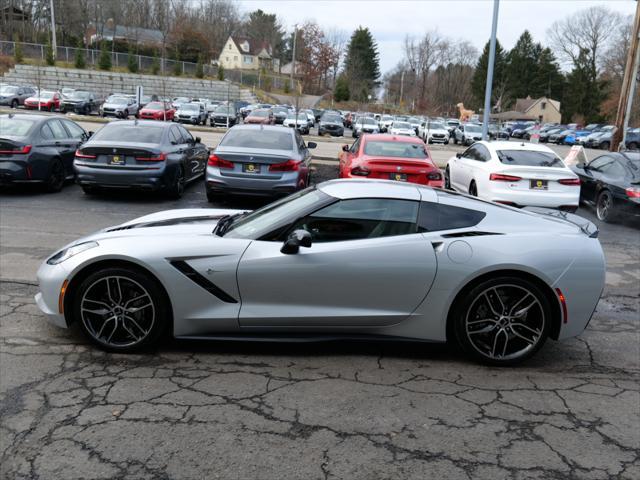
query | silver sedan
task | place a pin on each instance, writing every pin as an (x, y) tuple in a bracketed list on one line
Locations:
[(348, 259)]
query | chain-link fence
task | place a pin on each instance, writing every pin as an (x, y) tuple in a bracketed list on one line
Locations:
[(249, 78)]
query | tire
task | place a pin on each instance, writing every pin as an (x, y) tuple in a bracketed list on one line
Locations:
[(56, 177), (473, 189), (446, 142), (632, 146), (502, 321), (125, 114), (447, 178), (114, 293), (429, 141), (455, 140), (52, 108), (176, 189), (605, 207), (14, 103), (605, 145)]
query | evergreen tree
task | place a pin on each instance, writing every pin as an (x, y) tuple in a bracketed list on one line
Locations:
[(199, 67), (220, 73), (49, 57), (104, 60), (479, 80), (584, 92), (79, 60), (521, 67), (341, 91), (177, 65), (548, 80), (155, 64), (132, 62), (362, 65), (18, 55)]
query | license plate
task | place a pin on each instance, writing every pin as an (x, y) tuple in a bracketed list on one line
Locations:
[(538, 185), (398, 177), (116, 160), (250, 168)]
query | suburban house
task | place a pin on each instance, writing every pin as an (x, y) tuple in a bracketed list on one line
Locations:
[(132, 35), (542, 109), (242, 53)]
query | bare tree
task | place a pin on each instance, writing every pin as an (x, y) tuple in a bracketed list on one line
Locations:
[(589, 30), (422, 56)]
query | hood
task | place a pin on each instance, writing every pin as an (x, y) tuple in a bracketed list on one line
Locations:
[(195, 221)]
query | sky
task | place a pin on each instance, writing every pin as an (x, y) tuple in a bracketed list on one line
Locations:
[(391, 20)]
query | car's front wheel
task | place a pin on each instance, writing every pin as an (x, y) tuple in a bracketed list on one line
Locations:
[(502, 321), (176, 188), (473, 190), (605, 206), (447, 178), (121, 309), (14, 103)]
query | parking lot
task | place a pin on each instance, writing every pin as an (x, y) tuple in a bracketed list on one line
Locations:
[(328, 410)]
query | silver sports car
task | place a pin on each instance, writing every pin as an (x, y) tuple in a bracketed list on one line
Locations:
[(348, 259)]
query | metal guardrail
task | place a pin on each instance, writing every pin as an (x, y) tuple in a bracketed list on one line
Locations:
[(247, 78)]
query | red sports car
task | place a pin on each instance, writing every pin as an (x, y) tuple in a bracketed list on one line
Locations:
[(157, 111), (47, 99), (405, 159)]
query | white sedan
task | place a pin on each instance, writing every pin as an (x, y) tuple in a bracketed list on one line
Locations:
[(402, 128), (516, 174)]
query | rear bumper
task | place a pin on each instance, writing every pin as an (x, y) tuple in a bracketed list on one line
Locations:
[(525, 198), (121, 178), (23, 171), (285, 184)]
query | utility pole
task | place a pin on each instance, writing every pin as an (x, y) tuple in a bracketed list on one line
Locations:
[(293, 57), (492, 59), (628, 87), (401, 87), (54, 43)]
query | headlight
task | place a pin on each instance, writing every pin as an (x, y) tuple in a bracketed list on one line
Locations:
[(69, 252)]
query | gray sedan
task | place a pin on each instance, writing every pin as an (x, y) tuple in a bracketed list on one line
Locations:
[(258, 160), (13, 95)]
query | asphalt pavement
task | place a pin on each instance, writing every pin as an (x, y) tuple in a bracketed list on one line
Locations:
[(192, 410)]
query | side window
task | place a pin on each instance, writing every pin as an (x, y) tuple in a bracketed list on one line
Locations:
[(75, 130), (355, 147), (187, 137), (471, 153), (46, 132), (439, 216), (361, 218), (614, 170), (600, 163), (482, 154), (174, 136), (59, 133), (300, 141)]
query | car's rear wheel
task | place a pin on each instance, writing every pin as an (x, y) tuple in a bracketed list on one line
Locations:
[(502, 321), (605, 206), (176, 189), (473, 190), (121, 309), (56, 177), (447, 178), (605, 145), (14, 103), (633, 146)]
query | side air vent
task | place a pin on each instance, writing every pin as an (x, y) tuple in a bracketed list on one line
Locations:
[(469, 234), (198, 279)]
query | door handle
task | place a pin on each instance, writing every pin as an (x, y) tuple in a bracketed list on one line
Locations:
[(437, 246)]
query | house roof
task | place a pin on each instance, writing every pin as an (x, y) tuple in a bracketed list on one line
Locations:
[(526, 104), (255, 47)]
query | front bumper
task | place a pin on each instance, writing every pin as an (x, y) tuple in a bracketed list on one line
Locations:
[(50, 279)]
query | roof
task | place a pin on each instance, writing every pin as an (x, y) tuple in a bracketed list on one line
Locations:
[(352, 188), (512, 115), (511, 145), (524, 104), (394, 138), (255, 47)]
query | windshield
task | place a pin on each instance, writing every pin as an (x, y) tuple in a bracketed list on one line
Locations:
[(472, 128), (46, 94), (301, 116), (8, 90), (436, 126), (129, 133), (529, 158), (80, 95), (262, 139), (260, 113), (386, 118), (190, 107), (394, 149), (265, 219), (118, 100), (154, 106), (224, 109), (367, 121), (414, 120), (403, 125), (331, 119), (18, 127)]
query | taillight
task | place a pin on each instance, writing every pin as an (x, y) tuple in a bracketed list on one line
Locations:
[(434, 176), (154, 158), (18, 151), (570, 181), (288, 166), (216, 161), (81, 154), (499, 177), (360, 171), (633, 192)]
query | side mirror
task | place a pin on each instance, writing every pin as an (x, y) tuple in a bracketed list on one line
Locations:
[(89, 134), (296, 239), (345, 148), (198, 140), (312, 144), (459, 155)]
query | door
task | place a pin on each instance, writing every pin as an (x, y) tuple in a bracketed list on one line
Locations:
[(347, 157), (367, 267), (194, 155), (63, 143), (77, 136), (461, 174), (593, 175)]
